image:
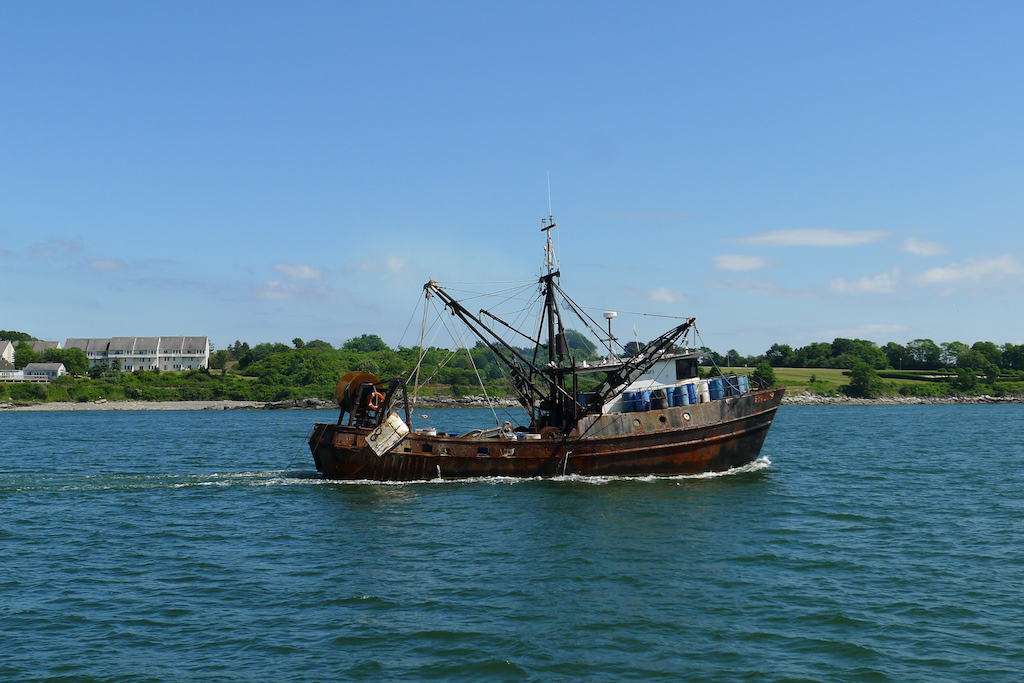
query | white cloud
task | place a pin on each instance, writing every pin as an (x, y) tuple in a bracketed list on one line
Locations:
[(388, 263), (739, 263), (752, 286), (275, 290), (814, 237), (54, 247), (393, 263), (106, 265), (883, 283), (299, 271), (971, 271), (918, 247), (666, 296)]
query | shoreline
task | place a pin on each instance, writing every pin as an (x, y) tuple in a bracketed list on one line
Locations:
[(804, 399), (67, 406)]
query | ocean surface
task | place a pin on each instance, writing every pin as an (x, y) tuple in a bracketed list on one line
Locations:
[(870, 543)]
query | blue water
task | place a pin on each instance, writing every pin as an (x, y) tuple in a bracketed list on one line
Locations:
[(881, 543)]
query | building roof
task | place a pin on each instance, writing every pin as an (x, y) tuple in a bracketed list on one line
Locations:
[(87, 345), (43, 367), (130, 345), (184, 344), (40, 346)]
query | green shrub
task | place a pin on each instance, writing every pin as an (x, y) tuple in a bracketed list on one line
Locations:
[(864, 382), (56, 392), (764, 376), (924, 390), (821, 387), (28, 391)]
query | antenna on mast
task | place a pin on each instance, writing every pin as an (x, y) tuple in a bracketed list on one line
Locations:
[(550, 214), (550, 262)]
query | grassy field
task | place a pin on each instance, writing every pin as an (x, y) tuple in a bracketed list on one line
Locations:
[(797, 380)]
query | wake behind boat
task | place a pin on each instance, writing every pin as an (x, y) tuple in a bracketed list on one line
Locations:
[(639, 411)]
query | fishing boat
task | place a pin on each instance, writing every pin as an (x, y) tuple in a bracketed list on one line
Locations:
[(639, 410)]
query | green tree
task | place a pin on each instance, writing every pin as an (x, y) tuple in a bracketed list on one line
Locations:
[(13, 336), (581, 347), (864, 382), (951, 352), (365, 343), (259, 352), (814, 355), (779, 355), (219, 360), (972, 360), (238, 349), (990, 351), (857, 349), (74, 359), (23, 355), (633, 348), (1013, 356), (895, 353), (764, 375), (966, 381), (924, 354)]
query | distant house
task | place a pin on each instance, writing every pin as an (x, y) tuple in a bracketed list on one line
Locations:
[(44, 371), (11, 375), (9, 348), (146, 353), (7, 351), (40, 346)]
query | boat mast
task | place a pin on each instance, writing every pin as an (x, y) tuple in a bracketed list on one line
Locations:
[(556, 406)]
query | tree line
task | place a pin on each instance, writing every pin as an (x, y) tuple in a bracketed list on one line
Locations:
[(277, 371), (919, 354)]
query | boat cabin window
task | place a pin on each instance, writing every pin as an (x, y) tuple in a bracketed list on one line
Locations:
[(686, 368)]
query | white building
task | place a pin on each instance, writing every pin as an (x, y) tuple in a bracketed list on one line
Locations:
[(44, 371), (146, 353), (11, 375), (34, 372), (7, 351)]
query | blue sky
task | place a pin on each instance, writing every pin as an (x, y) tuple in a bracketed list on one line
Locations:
[(786, 172)]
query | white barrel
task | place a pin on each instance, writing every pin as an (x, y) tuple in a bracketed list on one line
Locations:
[(703, 392)]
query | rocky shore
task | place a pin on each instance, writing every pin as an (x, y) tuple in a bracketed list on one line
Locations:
[(805, 399), (808, 399), (291, 404)]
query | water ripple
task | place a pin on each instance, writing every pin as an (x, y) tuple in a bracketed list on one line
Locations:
[(869, 544)]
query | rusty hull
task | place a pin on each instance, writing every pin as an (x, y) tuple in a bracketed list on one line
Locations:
[(708, 437)]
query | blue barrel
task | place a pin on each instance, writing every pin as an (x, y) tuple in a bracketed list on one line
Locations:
[(744, 384), (716, 389), (673, 396), (732, 385), (629, 401), (682, 396), (643, 400), (691, 393)]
